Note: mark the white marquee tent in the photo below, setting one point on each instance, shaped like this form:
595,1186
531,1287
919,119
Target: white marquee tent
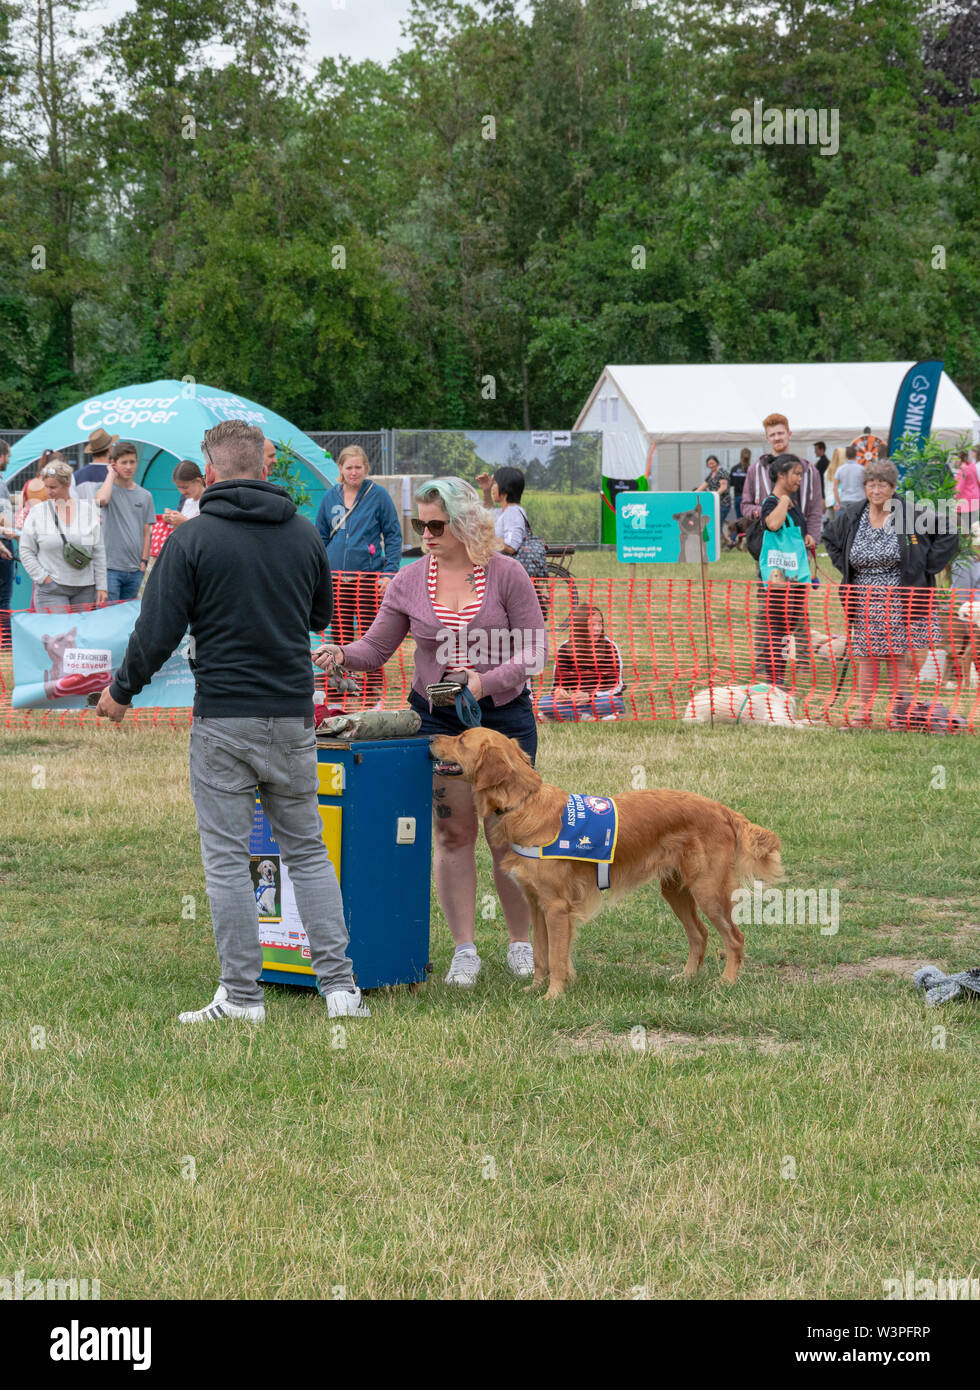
664,420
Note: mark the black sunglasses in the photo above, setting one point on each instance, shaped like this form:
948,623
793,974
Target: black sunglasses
436,527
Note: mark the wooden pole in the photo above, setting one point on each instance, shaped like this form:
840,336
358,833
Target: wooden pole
704,604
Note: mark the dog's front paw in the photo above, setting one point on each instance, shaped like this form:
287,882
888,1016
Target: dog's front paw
536,984
554,990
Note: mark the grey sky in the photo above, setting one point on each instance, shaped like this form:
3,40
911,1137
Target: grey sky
356,29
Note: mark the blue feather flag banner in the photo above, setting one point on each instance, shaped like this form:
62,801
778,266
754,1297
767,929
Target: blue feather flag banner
914,404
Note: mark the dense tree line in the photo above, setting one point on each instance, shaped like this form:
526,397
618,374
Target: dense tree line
467,235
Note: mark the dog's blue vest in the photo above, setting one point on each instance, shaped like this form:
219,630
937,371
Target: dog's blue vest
589,826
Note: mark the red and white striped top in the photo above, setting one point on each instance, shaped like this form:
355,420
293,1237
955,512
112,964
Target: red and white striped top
451,619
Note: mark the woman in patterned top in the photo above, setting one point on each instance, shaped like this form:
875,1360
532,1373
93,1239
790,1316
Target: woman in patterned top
888,570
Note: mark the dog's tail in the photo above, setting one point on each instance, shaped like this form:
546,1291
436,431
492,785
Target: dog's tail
757,852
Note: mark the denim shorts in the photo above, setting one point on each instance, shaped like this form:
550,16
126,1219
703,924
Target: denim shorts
513,720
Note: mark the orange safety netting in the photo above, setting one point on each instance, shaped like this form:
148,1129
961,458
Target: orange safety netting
663,649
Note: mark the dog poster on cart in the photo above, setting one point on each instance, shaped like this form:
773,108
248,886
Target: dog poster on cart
65,660
284,942
667,527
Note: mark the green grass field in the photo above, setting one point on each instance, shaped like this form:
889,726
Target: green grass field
811,1132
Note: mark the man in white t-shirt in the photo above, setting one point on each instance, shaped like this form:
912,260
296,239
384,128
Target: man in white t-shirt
504,490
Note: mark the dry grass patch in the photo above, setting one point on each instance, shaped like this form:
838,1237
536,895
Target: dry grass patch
854,970
459,1145
658,1041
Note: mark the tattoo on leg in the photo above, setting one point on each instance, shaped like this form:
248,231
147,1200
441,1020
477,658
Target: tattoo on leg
443,811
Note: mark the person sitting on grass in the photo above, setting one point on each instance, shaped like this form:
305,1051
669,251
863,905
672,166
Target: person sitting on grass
588,673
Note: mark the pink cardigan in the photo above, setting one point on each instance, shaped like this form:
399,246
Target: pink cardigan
506,641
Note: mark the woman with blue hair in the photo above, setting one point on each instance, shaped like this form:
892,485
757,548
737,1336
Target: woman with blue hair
475,618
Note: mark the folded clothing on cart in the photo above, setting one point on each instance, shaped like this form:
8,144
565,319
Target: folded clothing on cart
370,724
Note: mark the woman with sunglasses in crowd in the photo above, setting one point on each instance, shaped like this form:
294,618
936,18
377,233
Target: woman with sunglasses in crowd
474,615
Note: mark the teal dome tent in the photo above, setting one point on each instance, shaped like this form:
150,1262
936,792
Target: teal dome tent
167,421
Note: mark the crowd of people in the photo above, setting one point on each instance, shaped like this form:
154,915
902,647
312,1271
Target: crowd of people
84,539
888,555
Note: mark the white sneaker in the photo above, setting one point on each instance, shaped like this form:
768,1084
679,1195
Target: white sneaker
220,1007
464,969
520,959
346,1003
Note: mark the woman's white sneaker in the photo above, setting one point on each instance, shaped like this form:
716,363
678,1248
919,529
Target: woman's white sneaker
464,969
346,1003
221,1007
520,959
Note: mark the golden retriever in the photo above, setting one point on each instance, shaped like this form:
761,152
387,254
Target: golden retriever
699,850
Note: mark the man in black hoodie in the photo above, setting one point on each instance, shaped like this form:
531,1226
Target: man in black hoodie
250,579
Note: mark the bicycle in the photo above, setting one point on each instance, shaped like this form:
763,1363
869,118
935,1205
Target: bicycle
558,564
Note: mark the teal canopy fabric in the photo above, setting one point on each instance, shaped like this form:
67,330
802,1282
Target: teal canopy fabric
167,419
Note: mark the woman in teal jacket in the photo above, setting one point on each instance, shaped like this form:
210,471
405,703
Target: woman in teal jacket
363,535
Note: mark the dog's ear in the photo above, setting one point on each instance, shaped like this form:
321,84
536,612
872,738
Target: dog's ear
491,768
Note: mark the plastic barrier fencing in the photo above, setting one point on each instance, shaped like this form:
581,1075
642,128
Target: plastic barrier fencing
664,649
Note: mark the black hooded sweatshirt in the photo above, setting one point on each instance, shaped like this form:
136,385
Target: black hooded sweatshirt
251,580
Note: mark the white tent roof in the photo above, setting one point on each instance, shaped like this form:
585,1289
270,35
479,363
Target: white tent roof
717,404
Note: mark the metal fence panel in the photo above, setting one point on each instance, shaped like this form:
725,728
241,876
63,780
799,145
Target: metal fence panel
562,470
373,442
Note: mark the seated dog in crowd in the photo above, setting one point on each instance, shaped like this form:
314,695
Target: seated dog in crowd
572,854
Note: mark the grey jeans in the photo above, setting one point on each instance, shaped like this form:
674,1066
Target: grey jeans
63,598
229,759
